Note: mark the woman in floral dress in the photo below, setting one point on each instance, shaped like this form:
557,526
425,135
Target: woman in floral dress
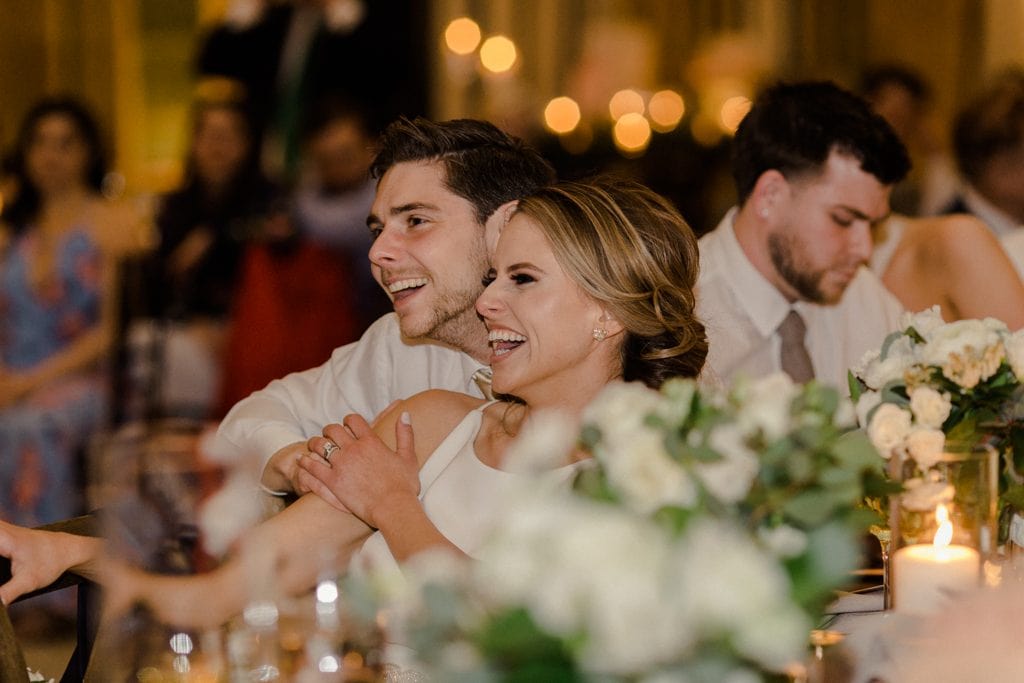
55,311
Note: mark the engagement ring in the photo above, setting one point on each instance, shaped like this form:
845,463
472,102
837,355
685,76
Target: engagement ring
329,448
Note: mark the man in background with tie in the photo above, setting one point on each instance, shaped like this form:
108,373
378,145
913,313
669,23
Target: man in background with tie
782,283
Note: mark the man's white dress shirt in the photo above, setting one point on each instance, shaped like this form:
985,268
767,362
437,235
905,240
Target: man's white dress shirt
742,311
363,377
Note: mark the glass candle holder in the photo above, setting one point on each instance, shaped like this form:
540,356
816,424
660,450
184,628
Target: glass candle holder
943,527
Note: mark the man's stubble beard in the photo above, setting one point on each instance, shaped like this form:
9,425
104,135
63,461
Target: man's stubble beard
806,284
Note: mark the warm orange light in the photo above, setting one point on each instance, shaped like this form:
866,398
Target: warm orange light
498,54
625,102
733,111
944,534
562,115
632,133
666,110
462,35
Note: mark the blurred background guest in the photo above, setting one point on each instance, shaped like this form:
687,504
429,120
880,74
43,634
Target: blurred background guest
223,203
988,138
903,98
288,54
335,193
58,244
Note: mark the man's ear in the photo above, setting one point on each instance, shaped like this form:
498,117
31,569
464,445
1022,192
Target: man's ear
497,221
769,193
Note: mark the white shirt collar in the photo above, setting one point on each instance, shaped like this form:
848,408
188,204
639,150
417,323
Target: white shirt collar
761,301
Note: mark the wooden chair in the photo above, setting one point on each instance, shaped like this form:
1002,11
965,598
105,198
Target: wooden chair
12,660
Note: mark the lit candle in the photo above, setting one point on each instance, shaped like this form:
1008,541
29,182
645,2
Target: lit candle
925,576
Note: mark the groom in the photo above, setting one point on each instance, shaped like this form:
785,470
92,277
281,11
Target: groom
444,191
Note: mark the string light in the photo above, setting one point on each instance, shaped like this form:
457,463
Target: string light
666,110
732,112
562,115
625,102
462,35
632,133
498,54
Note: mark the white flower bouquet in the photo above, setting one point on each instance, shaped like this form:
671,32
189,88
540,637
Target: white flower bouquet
701,545
935,386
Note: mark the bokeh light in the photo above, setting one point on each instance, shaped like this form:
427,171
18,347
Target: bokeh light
632,133
462,35
666,110
498,54
625,102
733,111
562,115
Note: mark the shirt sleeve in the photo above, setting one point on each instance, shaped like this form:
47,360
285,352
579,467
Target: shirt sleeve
356,379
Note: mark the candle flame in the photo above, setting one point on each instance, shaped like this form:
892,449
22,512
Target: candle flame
944,534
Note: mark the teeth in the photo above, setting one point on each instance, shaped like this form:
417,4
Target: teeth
406,284
505,335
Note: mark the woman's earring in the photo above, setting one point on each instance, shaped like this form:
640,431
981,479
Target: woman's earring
599,333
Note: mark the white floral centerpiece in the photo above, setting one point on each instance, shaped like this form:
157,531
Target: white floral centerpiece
935,385
701,544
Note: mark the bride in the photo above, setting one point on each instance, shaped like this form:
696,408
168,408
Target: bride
592,283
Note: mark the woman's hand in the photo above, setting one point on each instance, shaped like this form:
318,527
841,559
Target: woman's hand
362,474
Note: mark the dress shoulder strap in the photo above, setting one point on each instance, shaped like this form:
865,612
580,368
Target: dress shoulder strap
464,432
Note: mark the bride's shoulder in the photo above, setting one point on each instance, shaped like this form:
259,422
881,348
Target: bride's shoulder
433,413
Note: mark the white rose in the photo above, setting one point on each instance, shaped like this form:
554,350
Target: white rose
766,405
925,446
930,408
1015,353
642,471
924,494
925,322
867,401
729,478
784,541
899,356
956,337
621,408
890,424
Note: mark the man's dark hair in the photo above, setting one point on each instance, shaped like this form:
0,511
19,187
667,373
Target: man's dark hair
483,164
991,123
793,127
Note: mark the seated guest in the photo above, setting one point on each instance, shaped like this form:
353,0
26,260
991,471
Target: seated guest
203,227
591,283
988,142
953,261
58,243
782,284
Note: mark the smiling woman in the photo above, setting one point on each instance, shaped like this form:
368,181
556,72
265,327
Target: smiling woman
592,283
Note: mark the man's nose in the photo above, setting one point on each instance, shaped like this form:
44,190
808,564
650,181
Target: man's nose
385,247
861,243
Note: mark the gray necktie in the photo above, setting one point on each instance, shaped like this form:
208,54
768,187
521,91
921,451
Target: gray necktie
482,377
795,360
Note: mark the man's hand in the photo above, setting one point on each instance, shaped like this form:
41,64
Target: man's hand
38,558
282,472
363,475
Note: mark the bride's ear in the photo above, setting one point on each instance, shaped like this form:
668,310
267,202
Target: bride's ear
609,324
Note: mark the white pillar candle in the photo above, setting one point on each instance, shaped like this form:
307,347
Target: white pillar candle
926,576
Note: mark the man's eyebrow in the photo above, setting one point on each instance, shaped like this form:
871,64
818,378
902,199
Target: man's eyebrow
372,219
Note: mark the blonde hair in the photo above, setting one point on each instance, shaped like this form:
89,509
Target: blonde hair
629,249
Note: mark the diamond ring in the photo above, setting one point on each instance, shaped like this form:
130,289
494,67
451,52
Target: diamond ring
329,448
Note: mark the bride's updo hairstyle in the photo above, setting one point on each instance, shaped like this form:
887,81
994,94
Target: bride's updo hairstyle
629,249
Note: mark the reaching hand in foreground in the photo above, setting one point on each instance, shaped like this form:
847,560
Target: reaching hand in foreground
38,558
